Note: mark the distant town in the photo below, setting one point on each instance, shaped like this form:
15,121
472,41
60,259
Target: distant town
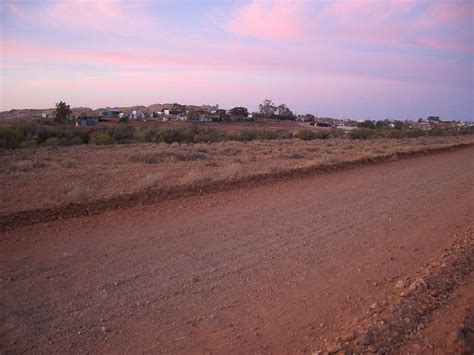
174,112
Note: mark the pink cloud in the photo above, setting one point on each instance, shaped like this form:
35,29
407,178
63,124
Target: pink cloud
269,19
97,15
446,13
392,23
110,17
243,58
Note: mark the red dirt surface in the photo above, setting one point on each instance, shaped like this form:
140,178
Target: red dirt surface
276,268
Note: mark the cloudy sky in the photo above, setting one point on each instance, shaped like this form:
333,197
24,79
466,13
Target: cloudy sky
358,59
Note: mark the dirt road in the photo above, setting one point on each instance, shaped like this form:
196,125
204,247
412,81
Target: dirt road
280,268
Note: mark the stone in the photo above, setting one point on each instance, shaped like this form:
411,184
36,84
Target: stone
349,336
334,349
195,279
372,349
400,284
368,338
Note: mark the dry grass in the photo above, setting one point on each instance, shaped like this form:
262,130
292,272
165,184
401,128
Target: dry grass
150,181
38,177
80,193
194,176
230,171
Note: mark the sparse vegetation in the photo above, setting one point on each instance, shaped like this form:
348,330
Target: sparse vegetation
80,193
64,174
31,134
151,180
361,133
101,138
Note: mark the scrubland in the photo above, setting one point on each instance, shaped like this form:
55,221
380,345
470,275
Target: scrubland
44,177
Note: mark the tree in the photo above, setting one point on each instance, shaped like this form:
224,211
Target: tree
398,124
367,124
267,108
284,113
382,124
191,114
239,111
433,119
62,112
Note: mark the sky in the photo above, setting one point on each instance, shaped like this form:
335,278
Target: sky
360,59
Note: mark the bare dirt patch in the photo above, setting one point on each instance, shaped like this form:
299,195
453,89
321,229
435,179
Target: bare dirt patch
274,268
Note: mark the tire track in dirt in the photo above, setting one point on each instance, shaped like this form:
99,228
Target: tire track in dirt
270,269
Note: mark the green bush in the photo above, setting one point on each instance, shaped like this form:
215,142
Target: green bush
122,133
414,133
306,134
361,133
393,133
10,138
150,134
101,138
44,133
52,141
29,129
175,135
207,136
138,137
29,144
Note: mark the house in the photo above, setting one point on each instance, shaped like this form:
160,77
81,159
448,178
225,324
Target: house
324,124
137,115
205,118
112,113
87,121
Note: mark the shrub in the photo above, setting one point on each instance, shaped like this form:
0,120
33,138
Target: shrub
151,180
306,135
101,138
52,141
10,138
250,134
393,133
175,135
122,133
194,176
77,140
29,129
29,144
190,156
44,133
207,136
414,133
230,171
150,134
361,133
79,193
150,158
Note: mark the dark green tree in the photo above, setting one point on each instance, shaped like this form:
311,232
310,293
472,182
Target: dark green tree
367,124
267,108
284,113
62,112
239,111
